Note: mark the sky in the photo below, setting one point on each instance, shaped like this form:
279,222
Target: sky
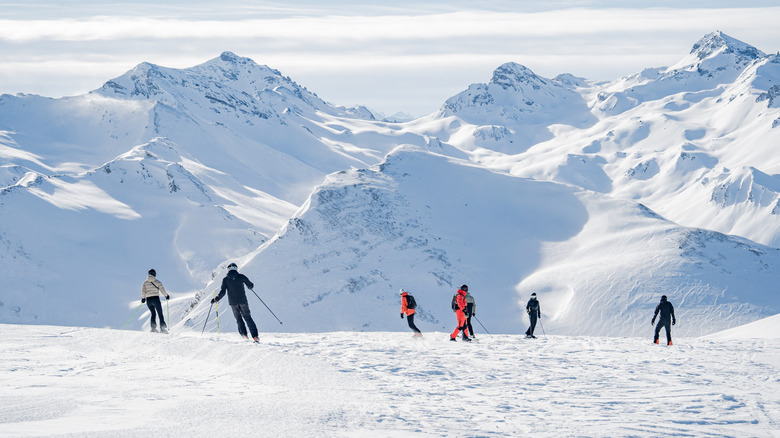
409,57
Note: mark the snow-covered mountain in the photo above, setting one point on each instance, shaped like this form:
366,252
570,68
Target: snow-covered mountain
600,197
695,141
165,168
427,222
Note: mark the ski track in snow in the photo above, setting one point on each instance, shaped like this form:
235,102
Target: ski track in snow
61,381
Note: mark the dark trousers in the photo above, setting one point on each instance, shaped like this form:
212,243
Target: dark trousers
241,313
410,320
155,308
668,326
469,308
533,317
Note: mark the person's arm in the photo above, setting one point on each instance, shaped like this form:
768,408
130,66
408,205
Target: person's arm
162,289
143,292
657,309
221,291
674,319
404,304
248,283
538,310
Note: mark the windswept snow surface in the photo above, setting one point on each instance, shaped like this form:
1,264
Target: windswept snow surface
87,382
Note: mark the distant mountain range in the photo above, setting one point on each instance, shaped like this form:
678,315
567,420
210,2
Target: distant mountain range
597,196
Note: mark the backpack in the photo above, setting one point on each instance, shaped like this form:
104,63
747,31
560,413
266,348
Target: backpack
455,305
411,304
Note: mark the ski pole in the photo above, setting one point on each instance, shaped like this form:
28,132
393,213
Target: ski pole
215,296
207,319
266,305
542,326
480,323
168,310
131,318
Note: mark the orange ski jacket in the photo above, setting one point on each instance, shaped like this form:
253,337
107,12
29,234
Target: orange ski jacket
404,303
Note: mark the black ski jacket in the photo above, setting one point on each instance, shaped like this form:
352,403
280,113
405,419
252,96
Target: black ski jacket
533,307
234,283
667,311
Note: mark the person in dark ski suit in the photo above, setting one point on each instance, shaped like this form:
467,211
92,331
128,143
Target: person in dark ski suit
150,294
233,284
405,310
471,310
460,313
666,309
534,313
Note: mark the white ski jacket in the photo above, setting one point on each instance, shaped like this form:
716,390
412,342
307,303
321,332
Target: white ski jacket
152,288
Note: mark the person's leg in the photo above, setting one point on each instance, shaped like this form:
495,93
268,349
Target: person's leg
153,311
668,327
533,325
657,331
468,324
461,321
410,320
462,324
247,315
239,320
158,306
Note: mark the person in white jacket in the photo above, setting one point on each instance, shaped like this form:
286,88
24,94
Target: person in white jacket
150,294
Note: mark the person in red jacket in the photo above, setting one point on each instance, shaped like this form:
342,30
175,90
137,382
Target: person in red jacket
408,306
460,308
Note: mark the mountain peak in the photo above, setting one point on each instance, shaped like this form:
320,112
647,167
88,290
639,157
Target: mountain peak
718,42
513,75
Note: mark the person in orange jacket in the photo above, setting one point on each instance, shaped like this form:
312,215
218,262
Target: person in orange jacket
460,307
408,306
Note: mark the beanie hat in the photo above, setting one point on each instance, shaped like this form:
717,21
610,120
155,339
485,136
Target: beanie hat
533,295
401,291
152,272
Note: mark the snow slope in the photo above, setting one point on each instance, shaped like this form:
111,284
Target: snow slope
428,223
173,169
69,381
695,142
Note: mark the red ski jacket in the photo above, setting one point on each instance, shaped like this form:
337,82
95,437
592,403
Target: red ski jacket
461,300
405,303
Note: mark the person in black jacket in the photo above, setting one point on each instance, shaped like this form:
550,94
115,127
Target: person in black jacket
234,283
534,313
667,317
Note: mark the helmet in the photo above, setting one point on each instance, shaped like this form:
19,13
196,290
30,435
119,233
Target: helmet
152,272
464,288
232,267
401,291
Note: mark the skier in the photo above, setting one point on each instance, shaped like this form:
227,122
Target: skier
471,310
234,283
408,306
534,313
150,294
667,316
460,307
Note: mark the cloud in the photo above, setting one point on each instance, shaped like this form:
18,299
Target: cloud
353,55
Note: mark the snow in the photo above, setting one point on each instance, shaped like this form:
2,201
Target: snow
89,382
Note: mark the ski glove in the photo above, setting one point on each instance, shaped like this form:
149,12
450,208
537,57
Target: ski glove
213,300
674,322
402,315
167,297
143,300
652,322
